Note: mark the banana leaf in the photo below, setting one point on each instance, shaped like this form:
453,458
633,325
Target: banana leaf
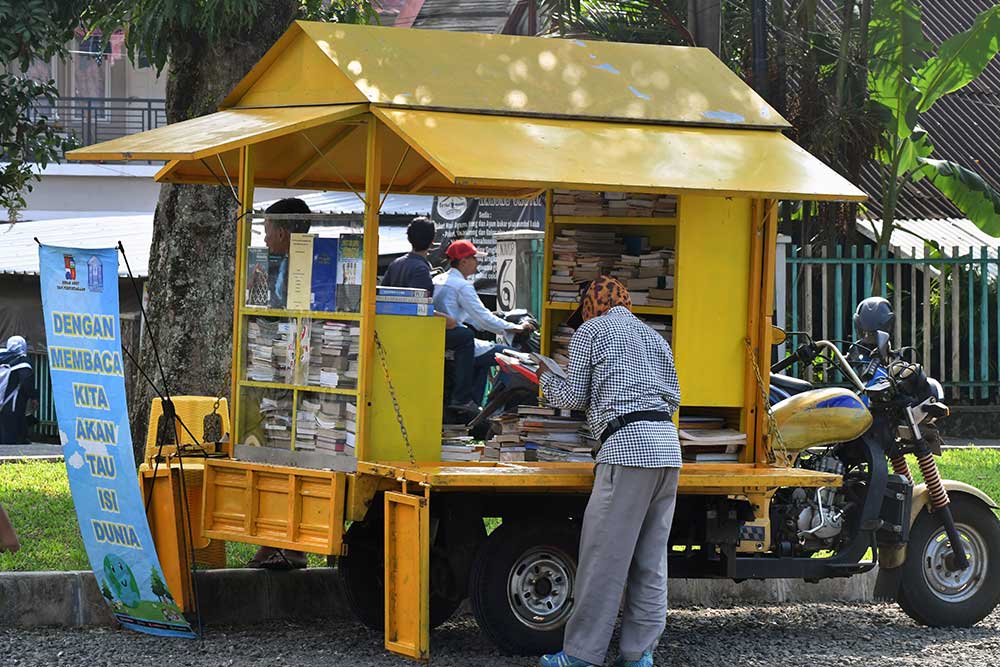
960,59
967,190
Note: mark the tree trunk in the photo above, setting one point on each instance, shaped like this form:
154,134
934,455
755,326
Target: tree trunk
191,261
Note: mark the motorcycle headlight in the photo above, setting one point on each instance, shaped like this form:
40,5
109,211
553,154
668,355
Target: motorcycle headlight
936,388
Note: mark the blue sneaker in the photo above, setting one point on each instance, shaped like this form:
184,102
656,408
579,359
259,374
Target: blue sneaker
560,659
645,661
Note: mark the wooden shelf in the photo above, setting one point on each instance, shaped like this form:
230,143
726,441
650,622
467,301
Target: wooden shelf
313,314
282,385
638,310
616,220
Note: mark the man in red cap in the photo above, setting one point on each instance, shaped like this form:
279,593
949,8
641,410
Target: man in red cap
455,295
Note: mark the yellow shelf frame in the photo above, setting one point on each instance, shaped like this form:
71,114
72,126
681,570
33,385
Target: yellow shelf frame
298,387
303,314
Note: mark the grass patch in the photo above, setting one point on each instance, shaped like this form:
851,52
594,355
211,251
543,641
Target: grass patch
37,498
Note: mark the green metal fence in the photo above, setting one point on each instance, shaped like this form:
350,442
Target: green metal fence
46,426
945,306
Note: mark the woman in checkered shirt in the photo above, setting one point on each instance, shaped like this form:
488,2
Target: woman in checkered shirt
622,373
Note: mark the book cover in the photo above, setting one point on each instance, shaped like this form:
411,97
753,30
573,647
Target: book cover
403,299
350,262
300,253
392,308
324,275
258,289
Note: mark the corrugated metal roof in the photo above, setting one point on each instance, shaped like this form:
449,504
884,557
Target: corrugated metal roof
19,252
955,236
464,15
348,202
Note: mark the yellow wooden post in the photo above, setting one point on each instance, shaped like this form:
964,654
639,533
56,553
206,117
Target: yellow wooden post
245,194
373,172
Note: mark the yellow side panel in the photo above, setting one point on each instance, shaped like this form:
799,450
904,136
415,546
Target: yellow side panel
713,261
595,155
301,75
414,348
407,575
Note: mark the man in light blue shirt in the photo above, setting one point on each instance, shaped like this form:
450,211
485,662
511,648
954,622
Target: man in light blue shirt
455,295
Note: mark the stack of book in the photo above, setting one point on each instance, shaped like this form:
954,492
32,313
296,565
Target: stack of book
331,425
506,444
581,255
270,350
648,277
577,202
403,301
555,434
276,414
617,204
305,425
705,439
458,445
561,337
662,327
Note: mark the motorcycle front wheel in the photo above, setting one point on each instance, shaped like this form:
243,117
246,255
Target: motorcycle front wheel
935,593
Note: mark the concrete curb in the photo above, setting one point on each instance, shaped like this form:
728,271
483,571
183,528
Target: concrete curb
241,596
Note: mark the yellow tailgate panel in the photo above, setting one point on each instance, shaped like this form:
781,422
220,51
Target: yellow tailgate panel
713,262
407,575
292,508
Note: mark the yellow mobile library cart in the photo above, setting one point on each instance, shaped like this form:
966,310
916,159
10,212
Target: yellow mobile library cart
660,144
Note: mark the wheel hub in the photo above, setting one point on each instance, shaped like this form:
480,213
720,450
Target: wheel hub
540,588
945,580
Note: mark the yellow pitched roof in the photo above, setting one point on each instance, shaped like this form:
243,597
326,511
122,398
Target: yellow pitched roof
331,63
599,155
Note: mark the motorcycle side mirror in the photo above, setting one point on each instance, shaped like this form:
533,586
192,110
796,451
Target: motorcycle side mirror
778,336
882,345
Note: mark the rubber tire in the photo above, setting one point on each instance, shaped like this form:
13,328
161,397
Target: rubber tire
488,585
362,573
915,596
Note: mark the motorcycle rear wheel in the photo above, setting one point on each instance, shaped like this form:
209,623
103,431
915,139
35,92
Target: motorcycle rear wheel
932,592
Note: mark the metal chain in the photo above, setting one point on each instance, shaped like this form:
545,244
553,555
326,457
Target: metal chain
774,435
392,394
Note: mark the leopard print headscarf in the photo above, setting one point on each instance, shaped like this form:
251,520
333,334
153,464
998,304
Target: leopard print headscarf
604,294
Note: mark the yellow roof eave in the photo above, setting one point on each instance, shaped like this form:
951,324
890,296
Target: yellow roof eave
475,150
215,133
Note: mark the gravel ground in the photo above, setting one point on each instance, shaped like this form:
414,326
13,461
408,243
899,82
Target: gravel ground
813,634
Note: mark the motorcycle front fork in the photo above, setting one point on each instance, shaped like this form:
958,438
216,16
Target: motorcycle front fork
940,503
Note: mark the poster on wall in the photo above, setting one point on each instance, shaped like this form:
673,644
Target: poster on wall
83,328
479,220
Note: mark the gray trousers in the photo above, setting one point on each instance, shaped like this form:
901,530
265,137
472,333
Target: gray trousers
623,549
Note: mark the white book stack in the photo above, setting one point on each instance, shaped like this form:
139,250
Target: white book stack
305,425
616,204
276,422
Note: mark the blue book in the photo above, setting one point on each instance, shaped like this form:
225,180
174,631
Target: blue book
324,275
381,291
394,308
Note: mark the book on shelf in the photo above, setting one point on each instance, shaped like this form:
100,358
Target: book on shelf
403,299
710,457
394,308
324,275
300,259
258,286
350,264
392,293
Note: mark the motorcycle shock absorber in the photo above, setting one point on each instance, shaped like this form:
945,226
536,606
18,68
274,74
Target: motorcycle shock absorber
901,467
940,506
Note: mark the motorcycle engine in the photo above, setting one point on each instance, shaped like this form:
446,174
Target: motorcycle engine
808,520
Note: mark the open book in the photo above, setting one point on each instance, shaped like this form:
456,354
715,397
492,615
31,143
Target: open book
549,364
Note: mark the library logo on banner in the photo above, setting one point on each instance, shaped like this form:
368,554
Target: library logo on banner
69,262
95,274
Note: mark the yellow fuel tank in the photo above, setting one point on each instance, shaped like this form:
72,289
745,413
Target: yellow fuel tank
821,417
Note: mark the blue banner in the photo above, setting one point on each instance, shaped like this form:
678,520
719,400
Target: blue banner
80,303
